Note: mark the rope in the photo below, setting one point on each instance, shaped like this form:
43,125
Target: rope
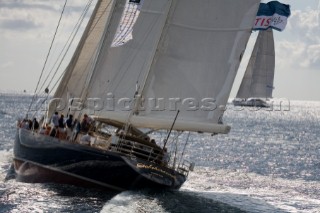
82,18
184,148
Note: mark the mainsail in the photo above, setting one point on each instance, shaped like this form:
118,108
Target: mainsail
180,55
258,78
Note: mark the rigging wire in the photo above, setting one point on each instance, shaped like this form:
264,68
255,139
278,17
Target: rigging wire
85,11
91,30
77,26
176,149
318,13
184,148
132,15
70,43
74,31
45,63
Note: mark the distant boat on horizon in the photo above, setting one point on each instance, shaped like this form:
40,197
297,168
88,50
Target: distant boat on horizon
257,84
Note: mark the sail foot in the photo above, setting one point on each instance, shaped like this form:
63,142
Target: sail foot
164,123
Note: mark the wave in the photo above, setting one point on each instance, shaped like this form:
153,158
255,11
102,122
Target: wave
165,201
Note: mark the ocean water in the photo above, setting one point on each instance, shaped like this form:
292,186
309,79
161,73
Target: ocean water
269,162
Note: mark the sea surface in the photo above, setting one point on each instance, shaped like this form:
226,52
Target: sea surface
269,162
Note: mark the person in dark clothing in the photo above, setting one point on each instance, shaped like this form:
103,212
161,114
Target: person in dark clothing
69,125
69,122
61,130
35,124
61,121
85,123
54,132
76,129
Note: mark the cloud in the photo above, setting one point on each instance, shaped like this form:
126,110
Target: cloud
30,19
313,52
49,5
18,16
27,28
18,24
302,49
305,24
19,4
41,11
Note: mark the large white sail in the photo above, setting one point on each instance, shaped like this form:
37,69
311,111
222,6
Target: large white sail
188,52
258,78
182,54
198,58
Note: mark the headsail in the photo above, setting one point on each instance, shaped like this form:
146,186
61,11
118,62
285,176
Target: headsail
259,75
82,63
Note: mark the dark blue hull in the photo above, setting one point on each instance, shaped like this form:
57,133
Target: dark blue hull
39,158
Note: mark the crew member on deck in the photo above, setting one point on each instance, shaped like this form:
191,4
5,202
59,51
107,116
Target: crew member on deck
35,124
85,123
69,126
55,119
86,139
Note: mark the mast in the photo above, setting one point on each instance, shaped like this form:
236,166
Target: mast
143,86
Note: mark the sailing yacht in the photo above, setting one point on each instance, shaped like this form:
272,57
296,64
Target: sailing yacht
257,84
141,67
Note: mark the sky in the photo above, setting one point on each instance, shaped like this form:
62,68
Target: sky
27,28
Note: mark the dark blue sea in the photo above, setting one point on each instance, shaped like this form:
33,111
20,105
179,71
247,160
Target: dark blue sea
269,162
